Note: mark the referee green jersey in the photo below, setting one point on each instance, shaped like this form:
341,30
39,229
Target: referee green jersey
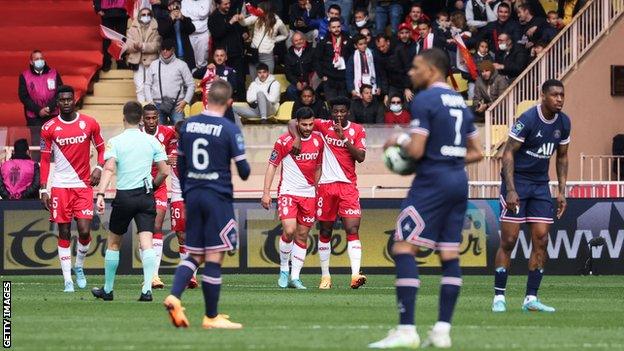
134,152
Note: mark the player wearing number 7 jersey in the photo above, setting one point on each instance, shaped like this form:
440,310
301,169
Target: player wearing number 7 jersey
296,199
442,140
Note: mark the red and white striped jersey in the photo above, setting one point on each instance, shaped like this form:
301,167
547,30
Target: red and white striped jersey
338,164
176,189
167,137
297,175
70,142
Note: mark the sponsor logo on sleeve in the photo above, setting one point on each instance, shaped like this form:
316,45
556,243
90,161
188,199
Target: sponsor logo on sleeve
274,155
517,128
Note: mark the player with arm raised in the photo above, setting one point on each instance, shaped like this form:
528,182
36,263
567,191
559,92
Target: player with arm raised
525,194
208,142
296,199
166,136
177,210
338,195
69,137
442,140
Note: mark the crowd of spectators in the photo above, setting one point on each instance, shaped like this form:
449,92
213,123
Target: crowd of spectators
361,49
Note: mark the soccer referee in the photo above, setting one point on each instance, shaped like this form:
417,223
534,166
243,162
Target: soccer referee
130,155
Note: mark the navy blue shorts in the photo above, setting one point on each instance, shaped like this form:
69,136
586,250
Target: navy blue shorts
536,204
210,223
433,213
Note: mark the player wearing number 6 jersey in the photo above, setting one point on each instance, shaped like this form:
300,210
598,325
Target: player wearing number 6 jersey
338,195
442,140
177,209
296,198
207,144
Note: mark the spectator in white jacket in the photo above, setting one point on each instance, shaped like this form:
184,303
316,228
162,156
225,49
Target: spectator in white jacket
263,96
480,12
198,11
267,30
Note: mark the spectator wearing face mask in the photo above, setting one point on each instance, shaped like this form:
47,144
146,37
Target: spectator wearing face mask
19,176
308,99
143,45
397,114
361,21
511,58
37,92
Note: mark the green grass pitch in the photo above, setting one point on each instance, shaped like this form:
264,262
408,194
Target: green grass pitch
590,315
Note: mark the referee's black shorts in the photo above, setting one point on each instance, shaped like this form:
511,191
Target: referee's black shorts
133,204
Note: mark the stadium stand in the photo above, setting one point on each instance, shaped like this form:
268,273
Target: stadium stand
73,48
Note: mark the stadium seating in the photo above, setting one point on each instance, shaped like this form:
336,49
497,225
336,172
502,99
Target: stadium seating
66,31
284,112
523,106
196,108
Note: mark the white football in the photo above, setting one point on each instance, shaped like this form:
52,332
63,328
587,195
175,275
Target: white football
398,162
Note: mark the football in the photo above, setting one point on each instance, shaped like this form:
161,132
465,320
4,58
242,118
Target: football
398,162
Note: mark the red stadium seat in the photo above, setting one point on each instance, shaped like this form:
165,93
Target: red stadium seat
67,31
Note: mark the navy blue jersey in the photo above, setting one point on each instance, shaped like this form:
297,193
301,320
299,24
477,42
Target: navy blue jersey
207,145
441,114
540,138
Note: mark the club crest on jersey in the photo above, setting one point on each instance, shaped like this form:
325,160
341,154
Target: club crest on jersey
161,137
517,127
351,132
557,134
316,143
274,155
82,124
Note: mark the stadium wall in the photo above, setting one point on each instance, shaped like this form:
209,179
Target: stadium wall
29,240
596,115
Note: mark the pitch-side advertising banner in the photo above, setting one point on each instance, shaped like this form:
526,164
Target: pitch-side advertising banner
29,244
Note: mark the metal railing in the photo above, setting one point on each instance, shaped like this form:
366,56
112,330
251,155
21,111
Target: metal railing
602,167
558,58
491,190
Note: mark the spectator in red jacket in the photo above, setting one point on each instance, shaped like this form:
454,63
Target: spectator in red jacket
37,92
397,113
